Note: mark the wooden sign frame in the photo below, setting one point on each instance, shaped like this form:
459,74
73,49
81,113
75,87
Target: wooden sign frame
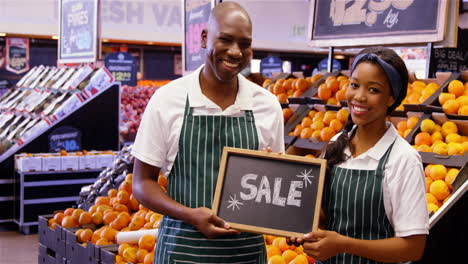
227,151
367,39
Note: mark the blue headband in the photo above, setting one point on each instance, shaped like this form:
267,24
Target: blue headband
392,74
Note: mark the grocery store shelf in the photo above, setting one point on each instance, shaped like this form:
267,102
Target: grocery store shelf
62,182
57,172
6,198
447,205
52,200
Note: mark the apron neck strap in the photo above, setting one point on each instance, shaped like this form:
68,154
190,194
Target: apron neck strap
384,159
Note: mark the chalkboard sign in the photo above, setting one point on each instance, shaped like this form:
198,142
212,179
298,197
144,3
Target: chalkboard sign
196,15
450,59
257,191
122,65
269,65
351,23
78,29
65,138
323,65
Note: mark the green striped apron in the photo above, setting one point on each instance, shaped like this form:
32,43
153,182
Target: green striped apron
192,182
353,200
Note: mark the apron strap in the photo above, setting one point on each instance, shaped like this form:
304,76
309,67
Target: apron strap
189,112
384,159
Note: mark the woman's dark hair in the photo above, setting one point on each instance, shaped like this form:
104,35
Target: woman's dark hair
335,150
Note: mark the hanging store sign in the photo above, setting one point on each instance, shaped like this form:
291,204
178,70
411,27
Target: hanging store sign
271,64
79,38
370,22
17,55
123,67
196,15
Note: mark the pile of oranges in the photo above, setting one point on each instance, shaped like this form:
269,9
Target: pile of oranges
439,187
333,90
418,92
321,125
292,87
117,212
279,252
456,100
404,127
442,140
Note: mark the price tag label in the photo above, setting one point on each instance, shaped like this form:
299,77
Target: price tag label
65,138
122,66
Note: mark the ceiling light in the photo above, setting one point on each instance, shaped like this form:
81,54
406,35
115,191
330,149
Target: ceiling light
105,40
2,34
339,57
55,37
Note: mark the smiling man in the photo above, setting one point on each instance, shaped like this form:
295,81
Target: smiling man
183,131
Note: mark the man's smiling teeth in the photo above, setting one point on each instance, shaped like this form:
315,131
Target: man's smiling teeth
233,65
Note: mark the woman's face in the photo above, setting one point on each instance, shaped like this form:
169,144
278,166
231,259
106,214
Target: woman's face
369,95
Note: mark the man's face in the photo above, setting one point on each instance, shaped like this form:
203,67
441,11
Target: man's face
228,45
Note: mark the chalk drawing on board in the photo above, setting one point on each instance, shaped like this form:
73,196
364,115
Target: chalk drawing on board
234,203
305,177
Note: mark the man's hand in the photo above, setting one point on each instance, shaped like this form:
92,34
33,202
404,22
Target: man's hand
210,225
323,244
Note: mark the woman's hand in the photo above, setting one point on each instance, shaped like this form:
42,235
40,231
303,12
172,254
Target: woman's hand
323,244
210,225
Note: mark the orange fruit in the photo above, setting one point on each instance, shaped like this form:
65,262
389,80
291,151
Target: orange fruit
423,138
102,242
336,125
86,235
436,136
406,133
282,98
401,126
456,87
76,213
300,259
455,149
149,258
269,239
126,185
129,254
432,207
315,77
451,175
427,125
438,172
328,117
423,148
463,110
444,97
287,113
289,255
137,223
342,115
306,121
133,203
317,125
276,260
326,134
324,92
141,254
112,193
109,217
312,113
273,250
122,247
306,133
333,85
102,200
147,242
58,217
97,218
411,122
85,218
297,131
302,85
69,221
439,189
123,197
449,127
283,244
340,95
120,208
451,106
440,148
266,82
430,198
332,101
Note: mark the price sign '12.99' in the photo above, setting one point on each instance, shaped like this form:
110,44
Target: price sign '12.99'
197,13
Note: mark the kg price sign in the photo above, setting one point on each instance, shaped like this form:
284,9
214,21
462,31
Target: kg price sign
123,67
376,22
256,190
79,30
65,138
196,15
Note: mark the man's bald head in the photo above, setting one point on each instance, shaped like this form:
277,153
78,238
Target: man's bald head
225,10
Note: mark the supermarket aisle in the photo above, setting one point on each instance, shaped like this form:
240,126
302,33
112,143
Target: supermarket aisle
16,248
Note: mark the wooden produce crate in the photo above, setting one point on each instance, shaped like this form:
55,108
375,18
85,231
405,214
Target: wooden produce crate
442,79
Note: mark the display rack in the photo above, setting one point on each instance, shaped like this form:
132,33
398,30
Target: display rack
38,193
98,120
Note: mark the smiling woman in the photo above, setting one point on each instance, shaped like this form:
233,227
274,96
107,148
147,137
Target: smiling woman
374,193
